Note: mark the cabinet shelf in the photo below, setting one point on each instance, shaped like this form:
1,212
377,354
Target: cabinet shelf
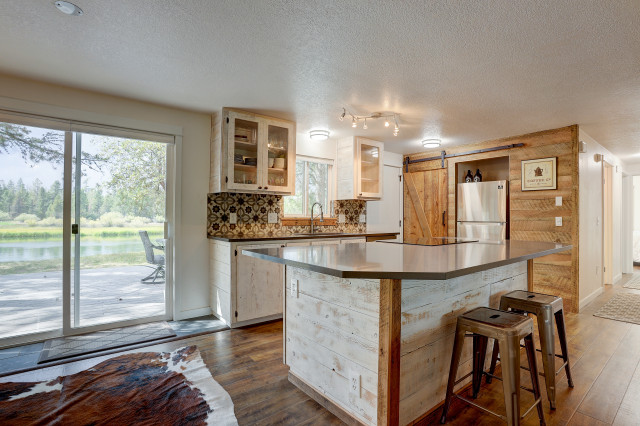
273,169
244,167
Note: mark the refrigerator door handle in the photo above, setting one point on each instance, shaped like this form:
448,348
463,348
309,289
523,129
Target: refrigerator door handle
443,216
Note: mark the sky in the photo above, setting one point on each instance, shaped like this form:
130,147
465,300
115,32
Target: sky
14,167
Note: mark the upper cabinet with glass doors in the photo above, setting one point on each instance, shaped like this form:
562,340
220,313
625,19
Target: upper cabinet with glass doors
252,153
359,166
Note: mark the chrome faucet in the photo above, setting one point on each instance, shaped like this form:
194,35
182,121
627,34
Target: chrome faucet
321,215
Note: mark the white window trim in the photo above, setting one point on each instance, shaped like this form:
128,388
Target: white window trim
330,189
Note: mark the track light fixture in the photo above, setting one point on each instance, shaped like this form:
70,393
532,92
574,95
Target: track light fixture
387,117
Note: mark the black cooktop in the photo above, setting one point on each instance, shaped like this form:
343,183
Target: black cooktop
433,241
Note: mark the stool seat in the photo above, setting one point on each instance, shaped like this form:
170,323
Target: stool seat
494,322
508,329
526,300
548,310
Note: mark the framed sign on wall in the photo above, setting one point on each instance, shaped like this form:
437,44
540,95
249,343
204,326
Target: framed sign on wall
539,174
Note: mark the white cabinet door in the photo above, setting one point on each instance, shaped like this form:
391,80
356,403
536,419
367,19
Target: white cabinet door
259,285
354,240
386,215
326,242
298,244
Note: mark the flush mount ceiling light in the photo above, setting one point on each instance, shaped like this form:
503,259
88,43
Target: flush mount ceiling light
431,143
319,135
386,116
68,8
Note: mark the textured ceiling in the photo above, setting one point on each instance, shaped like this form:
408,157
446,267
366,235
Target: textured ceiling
462,71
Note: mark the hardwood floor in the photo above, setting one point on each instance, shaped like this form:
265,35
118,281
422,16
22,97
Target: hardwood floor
605,357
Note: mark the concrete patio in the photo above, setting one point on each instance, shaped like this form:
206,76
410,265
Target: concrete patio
31,303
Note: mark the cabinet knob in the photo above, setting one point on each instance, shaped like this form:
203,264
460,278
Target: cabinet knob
266,187
259,187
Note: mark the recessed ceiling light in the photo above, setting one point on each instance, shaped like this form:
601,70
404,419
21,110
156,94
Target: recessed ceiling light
431,143
319,135
68,8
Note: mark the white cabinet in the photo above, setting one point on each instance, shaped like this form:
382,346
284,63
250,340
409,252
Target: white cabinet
246,290
359,166
258,285
252,153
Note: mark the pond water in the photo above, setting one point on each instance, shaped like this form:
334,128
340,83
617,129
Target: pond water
22,251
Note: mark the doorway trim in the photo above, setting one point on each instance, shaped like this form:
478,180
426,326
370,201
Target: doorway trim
607,223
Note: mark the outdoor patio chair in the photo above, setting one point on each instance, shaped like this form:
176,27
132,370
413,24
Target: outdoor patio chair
156,260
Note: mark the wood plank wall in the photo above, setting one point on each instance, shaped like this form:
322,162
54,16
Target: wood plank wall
532,213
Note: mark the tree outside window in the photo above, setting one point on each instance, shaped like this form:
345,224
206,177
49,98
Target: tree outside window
312,185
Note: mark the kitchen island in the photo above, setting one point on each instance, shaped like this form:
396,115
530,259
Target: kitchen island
368,327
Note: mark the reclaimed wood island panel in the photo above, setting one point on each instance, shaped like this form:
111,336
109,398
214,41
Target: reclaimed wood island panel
368,328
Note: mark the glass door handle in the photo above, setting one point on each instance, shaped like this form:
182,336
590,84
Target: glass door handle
74,228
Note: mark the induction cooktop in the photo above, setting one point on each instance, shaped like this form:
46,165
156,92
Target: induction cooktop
433,241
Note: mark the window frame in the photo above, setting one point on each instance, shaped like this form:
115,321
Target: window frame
305,194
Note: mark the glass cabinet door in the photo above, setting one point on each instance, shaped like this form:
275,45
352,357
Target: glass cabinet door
370,154
244,151
279,162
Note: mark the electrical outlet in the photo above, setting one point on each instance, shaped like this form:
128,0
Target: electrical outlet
363,218
233,218
354,383
294,287
559,201
272,217
341,218
559,221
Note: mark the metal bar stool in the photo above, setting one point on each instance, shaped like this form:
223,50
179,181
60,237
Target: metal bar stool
546,308
507,328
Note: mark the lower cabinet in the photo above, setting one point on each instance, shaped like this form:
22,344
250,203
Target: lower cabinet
246,290
258,286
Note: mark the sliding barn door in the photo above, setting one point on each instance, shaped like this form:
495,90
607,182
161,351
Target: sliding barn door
425,204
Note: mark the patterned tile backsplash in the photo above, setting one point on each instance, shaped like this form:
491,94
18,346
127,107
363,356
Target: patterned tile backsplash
252,211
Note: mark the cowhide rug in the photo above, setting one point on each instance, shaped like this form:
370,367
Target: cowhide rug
142,388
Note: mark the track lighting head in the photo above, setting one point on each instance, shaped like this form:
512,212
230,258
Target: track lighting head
344,112
365,127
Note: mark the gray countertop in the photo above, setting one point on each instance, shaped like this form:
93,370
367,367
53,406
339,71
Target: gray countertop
301,236
402,261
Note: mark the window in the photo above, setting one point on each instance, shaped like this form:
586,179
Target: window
313,184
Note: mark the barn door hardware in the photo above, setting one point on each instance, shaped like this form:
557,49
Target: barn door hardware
444,155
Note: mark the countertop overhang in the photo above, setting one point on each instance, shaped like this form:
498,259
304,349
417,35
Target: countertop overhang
379,260
319,235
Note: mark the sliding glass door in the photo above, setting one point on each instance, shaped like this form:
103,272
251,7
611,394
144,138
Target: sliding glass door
119,207
31,210
84,231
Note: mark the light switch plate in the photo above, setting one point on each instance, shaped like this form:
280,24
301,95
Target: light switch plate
294,287
272,217
363,218
341,218
558,201
233,218
559,221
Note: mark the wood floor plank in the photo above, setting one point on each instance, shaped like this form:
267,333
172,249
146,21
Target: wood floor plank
606,395
582,420
629,411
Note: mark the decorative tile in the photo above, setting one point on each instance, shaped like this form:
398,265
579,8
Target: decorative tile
252,211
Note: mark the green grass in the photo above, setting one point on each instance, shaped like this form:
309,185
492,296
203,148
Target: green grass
87,262
46,233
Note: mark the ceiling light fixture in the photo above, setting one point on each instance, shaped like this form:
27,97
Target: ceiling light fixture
319,135
431,143
386,116
68,8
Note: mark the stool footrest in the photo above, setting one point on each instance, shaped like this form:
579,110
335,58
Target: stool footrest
480,407
500,378
462,378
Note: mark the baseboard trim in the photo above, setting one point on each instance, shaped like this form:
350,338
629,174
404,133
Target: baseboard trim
256,321
584,302
321,399
193,313
617,278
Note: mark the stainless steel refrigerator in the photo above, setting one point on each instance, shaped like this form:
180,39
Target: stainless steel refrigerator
483,210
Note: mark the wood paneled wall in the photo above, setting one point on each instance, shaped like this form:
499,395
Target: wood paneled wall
532,213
